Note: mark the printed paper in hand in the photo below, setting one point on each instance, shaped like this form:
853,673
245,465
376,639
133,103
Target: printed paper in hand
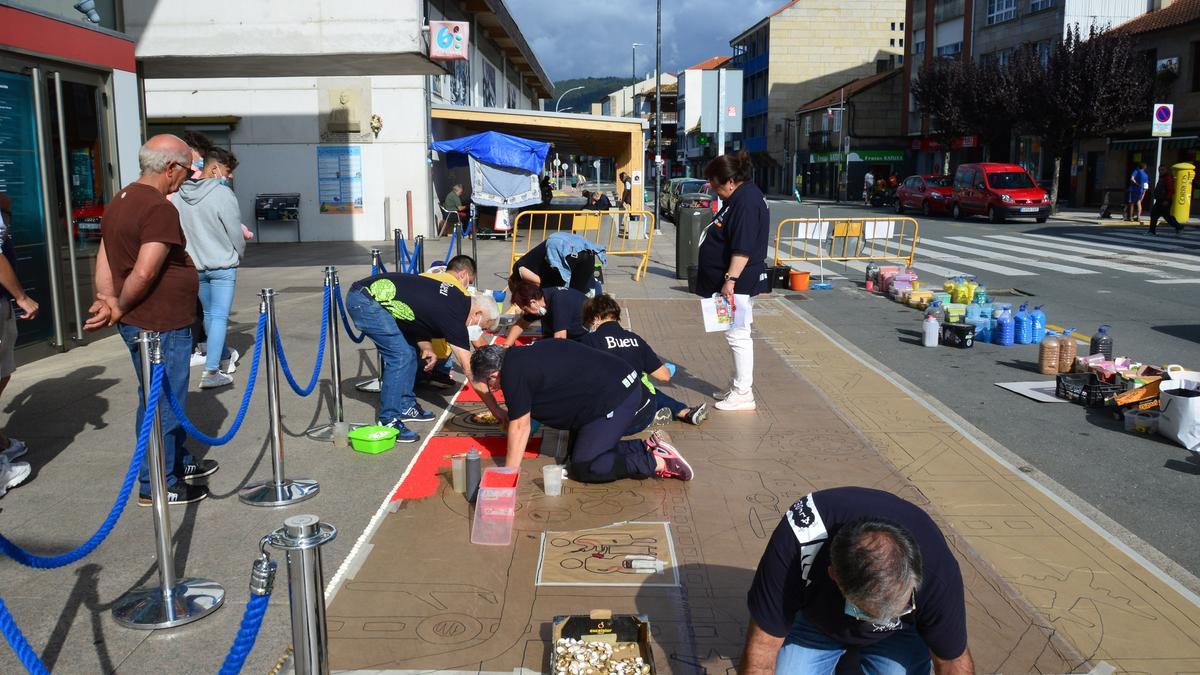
719,315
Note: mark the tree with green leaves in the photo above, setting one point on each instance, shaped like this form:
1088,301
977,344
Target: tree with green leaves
938,90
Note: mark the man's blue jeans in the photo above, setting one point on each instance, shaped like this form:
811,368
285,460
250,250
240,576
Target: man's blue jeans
176,346
809,651
399,357
216,294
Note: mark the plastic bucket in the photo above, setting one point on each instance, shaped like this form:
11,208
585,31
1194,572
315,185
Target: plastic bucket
799,280
374,439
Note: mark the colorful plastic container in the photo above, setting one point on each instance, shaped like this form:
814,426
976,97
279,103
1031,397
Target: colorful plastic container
373,439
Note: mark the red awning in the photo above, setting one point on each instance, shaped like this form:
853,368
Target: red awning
53,38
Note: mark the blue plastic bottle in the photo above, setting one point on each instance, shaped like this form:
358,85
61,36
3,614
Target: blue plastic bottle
983,329
1022,327
1039,324
1005,328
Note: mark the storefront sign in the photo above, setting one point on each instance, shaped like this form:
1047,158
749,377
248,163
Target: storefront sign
448,40
339,179
858,156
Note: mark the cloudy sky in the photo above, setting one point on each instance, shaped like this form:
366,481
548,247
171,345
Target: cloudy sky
578,38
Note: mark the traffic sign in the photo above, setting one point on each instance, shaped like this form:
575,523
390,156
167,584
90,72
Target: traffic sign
1164,113
557,163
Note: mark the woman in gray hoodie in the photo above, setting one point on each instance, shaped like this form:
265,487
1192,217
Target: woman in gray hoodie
212,223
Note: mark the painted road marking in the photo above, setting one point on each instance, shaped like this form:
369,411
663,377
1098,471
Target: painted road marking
1173,281
1107,264
1129,253
1078,336
998,269
993,255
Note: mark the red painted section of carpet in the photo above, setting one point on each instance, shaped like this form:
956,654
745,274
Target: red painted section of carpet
424,478
468,395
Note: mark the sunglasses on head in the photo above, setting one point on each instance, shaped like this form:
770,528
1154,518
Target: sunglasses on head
852,610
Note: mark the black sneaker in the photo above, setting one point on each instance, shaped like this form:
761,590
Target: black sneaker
179,493
440,380
404,435
202,468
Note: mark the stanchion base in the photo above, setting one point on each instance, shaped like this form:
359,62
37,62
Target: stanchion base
324,432
369,386
145,608
270,493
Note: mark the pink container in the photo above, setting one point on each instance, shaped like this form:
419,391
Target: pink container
495,507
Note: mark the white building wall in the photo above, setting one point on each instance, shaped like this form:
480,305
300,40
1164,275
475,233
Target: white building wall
1100,13
128,117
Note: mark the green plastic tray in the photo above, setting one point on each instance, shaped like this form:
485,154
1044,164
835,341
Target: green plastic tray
374,439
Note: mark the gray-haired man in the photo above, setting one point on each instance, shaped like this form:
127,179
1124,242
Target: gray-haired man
857,567
146,281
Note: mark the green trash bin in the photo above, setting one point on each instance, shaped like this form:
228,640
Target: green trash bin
689,224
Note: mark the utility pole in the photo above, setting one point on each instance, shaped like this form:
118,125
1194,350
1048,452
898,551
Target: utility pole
720,112
658,113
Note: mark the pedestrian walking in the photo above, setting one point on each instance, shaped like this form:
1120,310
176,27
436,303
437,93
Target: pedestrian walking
1139,183
733,249
868,186
145,280
198,146
211,221
626,202
12,473
1164,188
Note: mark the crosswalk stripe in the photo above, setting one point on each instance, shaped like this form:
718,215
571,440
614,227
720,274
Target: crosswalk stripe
1173,281
1130,254
999,241
993,255
1108,244
1141,240
950,257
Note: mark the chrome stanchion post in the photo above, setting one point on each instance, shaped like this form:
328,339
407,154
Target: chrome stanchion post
173,602
301,538
458,235
376,260
278,491
327,432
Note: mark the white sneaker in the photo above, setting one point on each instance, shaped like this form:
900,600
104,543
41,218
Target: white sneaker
198,359
229,365
722,395
737,401
214,379
12,474
15,449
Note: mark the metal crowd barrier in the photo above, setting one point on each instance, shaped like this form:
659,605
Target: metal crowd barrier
817,240
621,233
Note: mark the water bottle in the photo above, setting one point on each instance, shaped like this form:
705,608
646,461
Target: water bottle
974,311
983,329
1039,324
929,331
1022,327
1004,333
1102,342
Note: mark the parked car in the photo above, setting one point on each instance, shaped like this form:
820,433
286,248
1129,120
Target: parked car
929,194
86,221
701,199
677,187
998,191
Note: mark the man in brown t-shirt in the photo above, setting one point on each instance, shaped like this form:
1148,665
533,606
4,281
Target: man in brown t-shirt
146,281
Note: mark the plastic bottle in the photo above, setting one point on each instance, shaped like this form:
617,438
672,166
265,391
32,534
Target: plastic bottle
473,474
1102,342
983,329
1003,335
974,311
1048,355
962,291
929,330
1039,324
1066,351
1022,327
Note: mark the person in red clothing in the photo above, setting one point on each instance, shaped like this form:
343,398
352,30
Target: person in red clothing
1163,190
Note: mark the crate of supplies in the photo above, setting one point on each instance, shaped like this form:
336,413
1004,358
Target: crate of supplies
625,638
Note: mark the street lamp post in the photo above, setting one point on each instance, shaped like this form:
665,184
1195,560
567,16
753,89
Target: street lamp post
560,98
633,85
658,159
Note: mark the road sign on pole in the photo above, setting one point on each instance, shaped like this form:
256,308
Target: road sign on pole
1164,113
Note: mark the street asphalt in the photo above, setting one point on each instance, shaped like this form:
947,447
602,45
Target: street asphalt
1085,276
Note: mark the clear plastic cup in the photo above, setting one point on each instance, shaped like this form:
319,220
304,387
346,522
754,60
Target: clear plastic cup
552,477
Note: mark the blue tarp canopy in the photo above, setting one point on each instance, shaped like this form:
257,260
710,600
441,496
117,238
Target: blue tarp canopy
500,149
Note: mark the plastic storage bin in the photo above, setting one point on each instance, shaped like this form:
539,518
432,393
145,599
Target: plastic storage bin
1141,421
495,507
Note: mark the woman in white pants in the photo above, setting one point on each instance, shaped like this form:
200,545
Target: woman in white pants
733,251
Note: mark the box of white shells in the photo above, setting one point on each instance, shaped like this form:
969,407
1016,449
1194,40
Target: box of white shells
601,643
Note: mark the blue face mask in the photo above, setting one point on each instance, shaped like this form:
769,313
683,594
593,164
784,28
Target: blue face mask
224,181
197,165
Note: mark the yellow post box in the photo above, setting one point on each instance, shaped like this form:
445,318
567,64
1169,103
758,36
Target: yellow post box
1181,201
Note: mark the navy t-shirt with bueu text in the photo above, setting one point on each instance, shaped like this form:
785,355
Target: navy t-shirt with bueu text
563,383
793,574
630,346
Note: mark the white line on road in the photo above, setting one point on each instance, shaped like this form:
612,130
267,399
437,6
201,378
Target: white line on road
950,257
1054,255
1175,250
992,255
1173,281
1128,253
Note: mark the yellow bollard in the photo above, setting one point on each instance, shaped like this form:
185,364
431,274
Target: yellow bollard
1181,201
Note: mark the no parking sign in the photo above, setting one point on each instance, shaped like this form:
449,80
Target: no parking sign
1161,123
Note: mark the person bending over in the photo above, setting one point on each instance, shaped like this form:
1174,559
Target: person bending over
560,311
856,566
591,394
564,259
602,315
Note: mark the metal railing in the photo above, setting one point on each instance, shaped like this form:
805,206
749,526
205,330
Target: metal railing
833,239
621,232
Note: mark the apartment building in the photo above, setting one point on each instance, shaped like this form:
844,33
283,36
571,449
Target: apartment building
700,90
797,53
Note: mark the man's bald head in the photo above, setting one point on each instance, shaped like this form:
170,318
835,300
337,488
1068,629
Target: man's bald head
160,153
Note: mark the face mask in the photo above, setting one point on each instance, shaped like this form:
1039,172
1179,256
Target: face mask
197,165
541,311
223,180
474,332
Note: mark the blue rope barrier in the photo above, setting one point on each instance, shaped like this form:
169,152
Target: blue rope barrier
247,633
19,644
316,375
345,319
403,259
381,269
190,428
450,251
28,559
416,258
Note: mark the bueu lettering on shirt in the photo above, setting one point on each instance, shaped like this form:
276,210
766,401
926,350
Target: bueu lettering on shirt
620,343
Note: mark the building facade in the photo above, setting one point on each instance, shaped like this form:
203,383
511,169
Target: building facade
70,129
798,52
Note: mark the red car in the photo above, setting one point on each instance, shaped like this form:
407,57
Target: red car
86,221
998,191
928,194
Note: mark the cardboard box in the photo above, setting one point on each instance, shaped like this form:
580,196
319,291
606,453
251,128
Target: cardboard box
628,633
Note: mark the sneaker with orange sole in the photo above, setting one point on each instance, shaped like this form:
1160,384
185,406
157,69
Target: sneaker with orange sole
659,444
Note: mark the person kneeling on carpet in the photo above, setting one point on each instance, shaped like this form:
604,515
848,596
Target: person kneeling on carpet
591,394
402,313
560,311
602,315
